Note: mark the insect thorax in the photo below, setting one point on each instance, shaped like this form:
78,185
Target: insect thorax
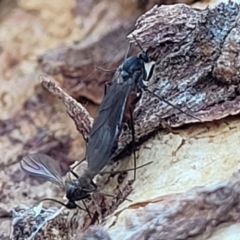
74,191
131,66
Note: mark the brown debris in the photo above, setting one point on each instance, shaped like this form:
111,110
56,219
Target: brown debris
104,46
75,110
190,74
178,216
181,216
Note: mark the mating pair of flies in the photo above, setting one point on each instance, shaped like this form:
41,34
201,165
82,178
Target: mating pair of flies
117,107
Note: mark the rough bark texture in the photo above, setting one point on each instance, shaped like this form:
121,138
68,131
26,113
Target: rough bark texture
195,70
179,216
78,64
75,110
189,47
182,216
190,72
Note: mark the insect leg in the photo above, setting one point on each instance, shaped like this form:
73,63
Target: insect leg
110,195
74,174
127,170
133,144
87,210
78,163
172,105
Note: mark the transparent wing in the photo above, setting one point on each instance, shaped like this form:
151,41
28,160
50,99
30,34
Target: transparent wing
107,126
43,166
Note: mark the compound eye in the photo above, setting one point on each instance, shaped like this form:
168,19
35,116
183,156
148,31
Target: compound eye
71,205
144,57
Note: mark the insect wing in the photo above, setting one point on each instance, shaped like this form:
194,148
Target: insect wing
107,126
43,166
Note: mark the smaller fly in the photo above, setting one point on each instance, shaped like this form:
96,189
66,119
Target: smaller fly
44,166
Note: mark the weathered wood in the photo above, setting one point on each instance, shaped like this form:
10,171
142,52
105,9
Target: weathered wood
192,75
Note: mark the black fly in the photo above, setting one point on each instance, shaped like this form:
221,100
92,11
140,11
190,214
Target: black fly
116,108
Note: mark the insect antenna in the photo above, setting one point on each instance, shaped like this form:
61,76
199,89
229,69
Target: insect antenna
138,43
105,70
67,206
102,63
126,54
59,202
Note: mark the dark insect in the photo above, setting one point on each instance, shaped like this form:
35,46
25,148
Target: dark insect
116,108
44,166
